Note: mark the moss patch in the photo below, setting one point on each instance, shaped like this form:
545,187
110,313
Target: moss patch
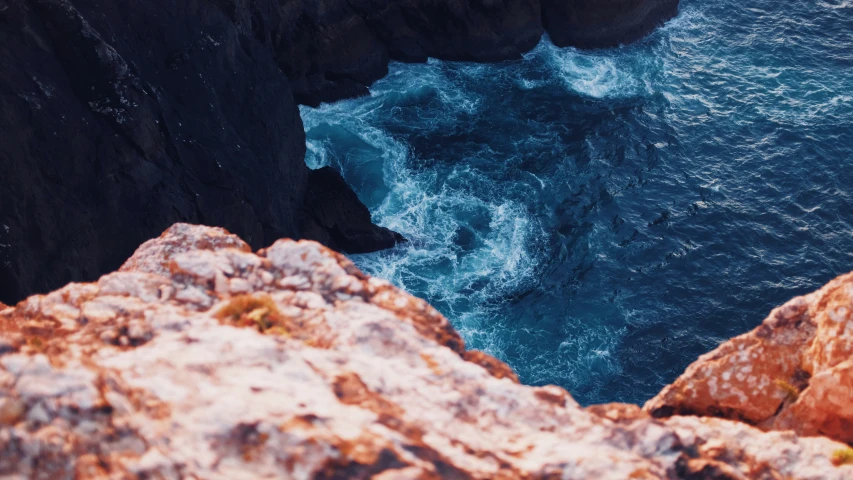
259,311
842,456
792,393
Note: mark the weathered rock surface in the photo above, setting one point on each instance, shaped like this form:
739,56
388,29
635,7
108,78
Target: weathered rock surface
201,359
794,372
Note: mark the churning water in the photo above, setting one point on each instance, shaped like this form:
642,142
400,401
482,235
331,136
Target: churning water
599,219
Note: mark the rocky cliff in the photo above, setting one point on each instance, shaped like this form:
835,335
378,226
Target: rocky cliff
201,359
120,118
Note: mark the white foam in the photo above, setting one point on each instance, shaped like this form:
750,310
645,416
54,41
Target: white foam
430,207
594,77
526,84
602,73
836,5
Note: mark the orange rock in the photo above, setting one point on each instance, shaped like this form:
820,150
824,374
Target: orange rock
11,411
154,255
492,365
792,372
619,412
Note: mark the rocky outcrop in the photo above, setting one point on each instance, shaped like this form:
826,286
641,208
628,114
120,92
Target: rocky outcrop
201,359
793,372
604,23
120,118
336,218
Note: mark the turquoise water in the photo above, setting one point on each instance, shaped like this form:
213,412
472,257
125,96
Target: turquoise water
599,219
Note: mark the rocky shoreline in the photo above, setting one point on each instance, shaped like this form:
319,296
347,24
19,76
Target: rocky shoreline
202,359
121,118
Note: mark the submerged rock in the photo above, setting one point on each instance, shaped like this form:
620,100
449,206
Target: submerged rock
793,372
202,359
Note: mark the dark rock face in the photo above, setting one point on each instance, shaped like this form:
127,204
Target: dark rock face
119,118
350,42
603,23
335,217
332,49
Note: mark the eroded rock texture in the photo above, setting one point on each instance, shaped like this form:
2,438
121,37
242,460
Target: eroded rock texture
795,371
201,359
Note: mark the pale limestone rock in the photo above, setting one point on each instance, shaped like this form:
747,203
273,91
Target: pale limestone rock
199,359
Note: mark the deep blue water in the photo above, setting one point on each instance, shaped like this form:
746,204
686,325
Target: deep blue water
599,219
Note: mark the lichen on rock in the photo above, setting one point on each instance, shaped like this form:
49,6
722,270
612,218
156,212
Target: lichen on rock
201,359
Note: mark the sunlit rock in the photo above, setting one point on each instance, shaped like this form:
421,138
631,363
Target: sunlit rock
202,359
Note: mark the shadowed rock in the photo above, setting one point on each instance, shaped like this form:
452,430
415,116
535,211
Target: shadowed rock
120,118
604,23
352,42
336,218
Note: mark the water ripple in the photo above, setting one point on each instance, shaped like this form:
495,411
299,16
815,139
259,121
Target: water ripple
599,219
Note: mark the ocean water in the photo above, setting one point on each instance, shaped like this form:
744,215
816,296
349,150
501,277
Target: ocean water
598,219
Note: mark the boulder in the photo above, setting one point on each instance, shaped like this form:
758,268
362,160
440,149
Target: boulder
335,217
